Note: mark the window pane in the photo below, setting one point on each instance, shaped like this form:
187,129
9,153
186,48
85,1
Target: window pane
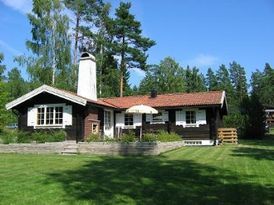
107,119
40,116
128,119
157,117
49,115
190,117
58,115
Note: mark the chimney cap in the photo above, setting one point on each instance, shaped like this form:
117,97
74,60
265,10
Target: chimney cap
86,55
153,93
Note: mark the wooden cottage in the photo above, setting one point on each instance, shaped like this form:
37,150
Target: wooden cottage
195,116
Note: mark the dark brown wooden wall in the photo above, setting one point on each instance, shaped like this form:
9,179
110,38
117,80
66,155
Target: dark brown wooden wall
74,132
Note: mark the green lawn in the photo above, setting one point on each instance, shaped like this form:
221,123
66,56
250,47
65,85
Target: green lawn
242,174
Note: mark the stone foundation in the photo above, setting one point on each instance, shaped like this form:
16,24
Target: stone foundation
100,148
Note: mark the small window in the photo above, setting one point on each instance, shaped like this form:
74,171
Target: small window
95,128
128,119
107,119
190,117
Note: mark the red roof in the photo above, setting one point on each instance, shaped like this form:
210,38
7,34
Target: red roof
169,100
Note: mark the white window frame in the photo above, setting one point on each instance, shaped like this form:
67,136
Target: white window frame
128,116
107,119
54,125
151,118
154,119
195,115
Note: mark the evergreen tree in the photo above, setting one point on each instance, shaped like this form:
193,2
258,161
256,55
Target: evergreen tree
85,17
167,77
262,84
252,108
256,82
211,80
224,83
129,44
195,81
238,79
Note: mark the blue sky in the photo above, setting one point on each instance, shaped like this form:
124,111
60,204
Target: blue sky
202,33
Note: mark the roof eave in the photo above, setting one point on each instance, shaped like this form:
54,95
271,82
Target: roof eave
50,90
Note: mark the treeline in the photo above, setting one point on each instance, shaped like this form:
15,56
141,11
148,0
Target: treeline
61,30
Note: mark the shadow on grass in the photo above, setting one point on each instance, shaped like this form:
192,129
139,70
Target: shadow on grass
157,180
268,140
256,153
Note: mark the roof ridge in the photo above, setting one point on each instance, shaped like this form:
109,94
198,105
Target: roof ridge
175,93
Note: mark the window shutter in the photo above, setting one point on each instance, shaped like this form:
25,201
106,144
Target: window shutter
31,116
67,115
148,117
120,120
201,117
165,116
137,120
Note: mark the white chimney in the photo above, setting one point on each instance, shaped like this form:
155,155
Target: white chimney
87,77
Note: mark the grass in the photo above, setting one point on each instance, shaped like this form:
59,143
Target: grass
235,174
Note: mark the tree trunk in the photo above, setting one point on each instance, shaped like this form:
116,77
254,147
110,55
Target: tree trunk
121,80
76,48
122,69
76,39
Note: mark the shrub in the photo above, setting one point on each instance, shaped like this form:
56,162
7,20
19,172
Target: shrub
56,136
107,139
149,137
8,136
42,136
237,121
164,136
38,136
94,138
129,137
23,137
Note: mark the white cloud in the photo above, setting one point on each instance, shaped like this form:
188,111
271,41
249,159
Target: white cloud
23,6
9,48
203,60
138,72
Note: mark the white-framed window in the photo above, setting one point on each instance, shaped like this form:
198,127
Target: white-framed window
157,118
107,119
49,115
190,117
128,119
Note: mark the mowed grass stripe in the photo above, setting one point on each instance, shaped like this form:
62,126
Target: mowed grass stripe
237,174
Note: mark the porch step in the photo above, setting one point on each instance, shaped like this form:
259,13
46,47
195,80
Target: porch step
70,149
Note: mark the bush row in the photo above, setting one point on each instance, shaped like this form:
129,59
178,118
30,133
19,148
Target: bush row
161,136
14,136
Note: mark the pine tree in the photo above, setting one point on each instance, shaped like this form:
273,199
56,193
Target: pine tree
262,84
224,83
238,79
195,81
129,44
211,80
167,77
